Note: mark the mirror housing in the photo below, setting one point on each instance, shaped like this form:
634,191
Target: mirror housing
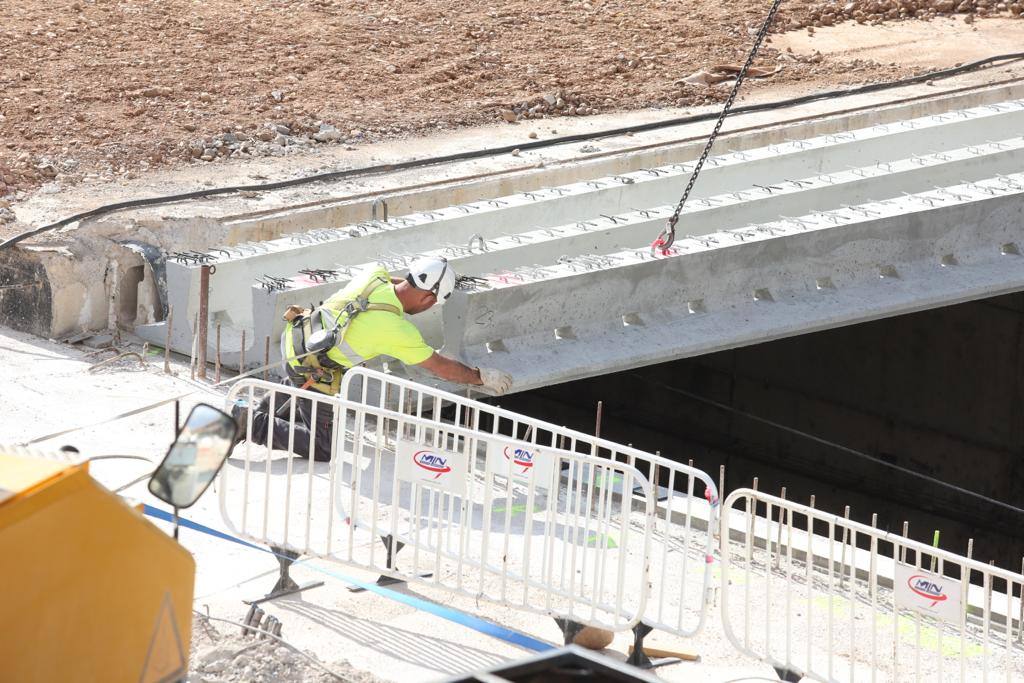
195,457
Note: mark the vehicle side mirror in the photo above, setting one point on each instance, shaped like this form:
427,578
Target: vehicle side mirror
195,457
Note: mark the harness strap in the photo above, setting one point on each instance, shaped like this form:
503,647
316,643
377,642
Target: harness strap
314,368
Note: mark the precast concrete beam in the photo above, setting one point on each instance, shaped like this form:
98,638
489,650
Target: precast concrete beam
494,258
670,145
579,201
747,286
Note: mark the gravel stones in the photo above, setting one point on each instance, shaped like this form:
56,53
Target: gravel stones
234,658
558,103
878,11
327,133
272,139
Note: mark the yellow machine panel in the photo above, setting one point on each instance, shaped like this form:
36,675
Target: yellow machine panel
91,590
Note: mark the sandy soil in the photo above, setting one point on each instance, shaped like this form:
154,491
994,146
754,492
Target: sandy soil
98,89
909,43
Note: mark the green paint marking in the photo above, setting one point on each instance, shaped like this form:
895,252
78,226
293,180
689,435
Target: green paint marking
594,540
516,509
907,628
600,481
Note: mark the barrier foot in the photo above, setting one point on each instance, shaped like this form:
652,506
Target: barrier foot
569,629
285,584
787,674
638,657
392,546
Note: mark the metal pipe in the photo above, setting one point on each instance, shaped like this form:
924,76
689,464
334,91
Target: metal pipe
204,315
597,424
241,355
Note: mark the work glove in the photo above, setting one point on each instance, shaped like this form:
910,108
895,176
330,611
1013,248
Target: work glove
498,381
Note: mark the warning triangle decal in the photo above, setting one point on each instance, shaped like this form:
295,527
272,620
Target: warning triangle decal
165,660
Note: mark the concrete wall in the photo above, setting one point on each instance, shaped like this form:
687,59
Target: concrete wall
939,392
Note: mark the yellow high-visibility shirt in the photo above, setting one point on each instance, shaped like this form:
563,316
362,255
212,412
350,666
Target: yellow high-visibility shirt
376,333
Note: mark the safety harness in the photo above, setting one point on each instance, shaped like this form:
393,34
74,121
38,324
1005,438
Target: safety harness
314,332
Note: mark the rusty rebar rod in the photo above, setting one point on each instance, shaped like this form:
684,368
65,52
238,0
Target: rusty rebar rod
167,340
195,336
204,316
118,357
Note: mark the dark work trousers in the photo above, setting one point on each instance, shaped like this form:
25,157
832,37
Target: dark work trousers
280,415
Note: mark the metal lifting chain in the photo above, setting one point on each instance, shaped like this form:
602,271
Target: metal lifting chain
668,236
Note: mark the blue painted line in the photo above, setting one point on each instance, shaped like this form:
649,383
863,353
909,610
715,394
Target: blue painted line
476,623
189,524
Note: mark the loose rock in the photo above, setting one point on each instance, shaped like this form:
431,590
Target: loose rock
327,133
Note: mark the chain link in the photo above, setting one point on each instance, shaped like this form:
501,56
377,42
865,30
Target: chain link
668,236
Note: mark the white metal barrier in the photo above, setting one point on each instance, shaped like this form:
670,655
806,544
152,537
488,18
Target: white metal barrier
834,600
687,498
481,515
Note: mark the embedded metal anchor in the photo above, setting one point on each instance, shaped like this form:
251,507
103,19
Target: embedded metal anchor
478,238
274,284
320,274
861,210
192,257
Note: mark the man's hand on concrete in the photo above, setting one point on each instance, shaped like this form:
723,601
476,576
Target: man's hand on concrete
498,381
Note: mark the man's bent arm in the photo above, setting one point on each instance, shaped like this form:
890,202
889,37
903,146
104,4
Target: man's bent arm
451,370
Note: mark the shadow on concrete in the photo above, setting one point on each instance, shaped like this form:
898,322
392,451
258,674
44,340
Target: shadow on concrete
426,650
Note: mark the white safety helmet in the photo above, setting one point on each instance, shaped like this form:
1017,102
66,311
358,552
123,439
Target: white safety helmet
433,274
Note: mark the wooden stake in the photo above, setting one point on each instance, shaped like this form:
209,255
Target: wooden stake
658,652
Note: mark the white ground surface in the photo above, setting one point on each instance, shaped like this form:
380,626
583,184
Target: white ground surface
49,388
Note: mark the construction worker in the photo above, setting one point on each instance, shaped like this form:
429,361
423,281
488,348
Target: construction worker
361,321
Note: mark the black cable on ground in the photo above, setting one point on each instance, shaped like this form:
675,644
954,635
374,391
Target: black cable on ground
493,151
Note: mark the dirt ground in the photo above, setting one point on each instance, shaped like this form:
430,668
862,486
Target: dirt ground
100,89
